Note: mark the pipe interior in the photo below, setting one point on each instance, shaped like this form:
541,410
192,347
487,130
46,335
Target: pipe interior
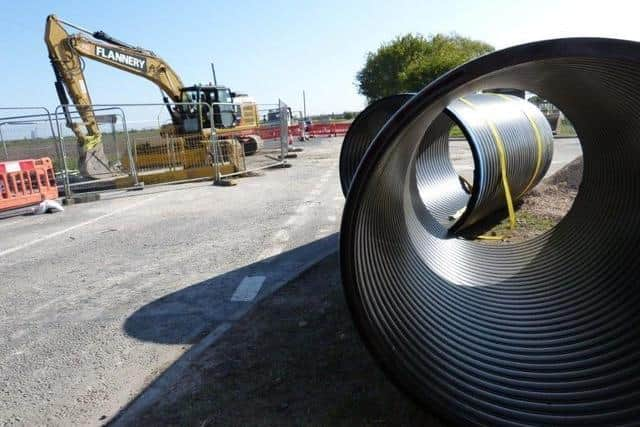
525,136
542,331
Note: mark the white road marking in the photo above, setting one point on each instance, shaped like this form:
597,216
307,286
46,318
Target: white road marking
74,227
248,289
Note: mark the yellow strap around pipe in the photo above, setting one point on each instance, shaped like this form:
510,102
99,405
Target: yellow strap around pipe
489,237
538,136
502,155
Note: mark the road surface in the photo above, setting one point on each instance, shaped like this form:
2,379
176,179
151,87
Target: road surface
82,322
97,302
564,150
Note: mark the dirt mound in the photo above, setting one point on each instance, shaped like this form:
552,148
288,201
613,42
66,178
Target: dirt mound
569,176
549,201
554,197
540,209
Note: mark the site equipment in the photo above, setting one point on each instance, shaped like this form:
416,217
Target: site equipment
66,52
538,332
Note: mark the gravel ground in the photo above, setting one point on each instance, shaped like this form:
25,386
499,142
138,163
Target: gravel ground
98,301
541,209
553,198
295,360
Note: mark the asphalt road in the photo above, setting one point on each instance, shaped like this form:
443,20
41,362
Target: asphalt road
86,315
564,151
97,302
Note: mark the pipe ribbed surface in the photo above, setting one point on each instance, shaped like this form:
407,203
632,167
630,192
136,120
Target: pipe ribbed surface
495,124
525,137
540,332
362,131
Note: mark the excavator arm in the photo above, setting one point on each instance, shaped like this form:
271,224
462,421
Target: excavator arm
66,52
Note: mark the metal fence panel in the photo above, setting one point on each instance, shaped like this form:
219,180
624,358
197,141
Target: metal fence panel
138,143
118,171
142,145
27,133
258,146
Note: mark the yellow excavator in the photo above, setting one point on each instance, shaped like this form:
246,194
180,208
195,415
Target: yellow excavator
66,52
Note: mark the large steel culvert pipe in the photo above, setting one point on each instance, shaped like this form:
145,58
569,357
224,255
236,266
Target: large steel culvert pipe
362,131
511,142
512,146
539,332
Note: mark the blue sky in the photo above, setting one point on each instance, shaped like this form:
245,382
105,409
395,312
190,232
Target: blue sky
275,49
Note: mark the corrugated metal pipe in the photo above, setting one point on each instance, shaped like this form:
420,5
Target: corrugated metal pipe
510,139
362,131
540,332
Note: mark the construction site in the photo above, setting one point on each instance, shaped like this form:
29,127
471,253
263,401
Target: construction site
458,254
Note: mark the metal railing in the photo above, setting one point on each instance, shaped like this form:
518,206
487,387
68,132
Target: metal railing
139,145
115,144
253,148
29,133
26,132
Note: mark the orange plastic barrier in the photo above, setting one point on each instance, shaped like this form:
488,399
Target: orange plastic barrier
314,130
328,129
267,132
26,182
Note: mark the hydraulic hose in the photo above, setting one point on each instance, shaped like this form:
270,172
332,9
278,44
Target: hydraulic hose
541,332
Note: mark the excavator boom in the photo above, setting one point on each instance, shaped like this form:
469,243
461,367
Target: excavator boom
65,52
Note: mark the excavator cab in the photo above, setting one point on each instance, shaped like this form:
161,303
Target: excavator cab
197,116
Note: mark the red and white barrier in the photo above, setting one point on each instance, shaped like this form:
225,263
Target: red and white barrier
315,130
26,182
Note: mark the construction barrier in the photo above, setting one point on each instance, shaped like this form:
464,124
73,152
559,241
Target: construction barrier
140,145
26,182
317,130
328,129
172,152
263,146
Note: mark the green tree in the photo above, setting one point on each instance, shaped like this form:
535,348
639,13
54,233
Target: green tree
410,62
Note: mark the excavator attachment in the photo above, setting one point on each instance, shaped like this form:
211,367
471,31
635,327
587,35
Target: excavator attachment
191,117
67,68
